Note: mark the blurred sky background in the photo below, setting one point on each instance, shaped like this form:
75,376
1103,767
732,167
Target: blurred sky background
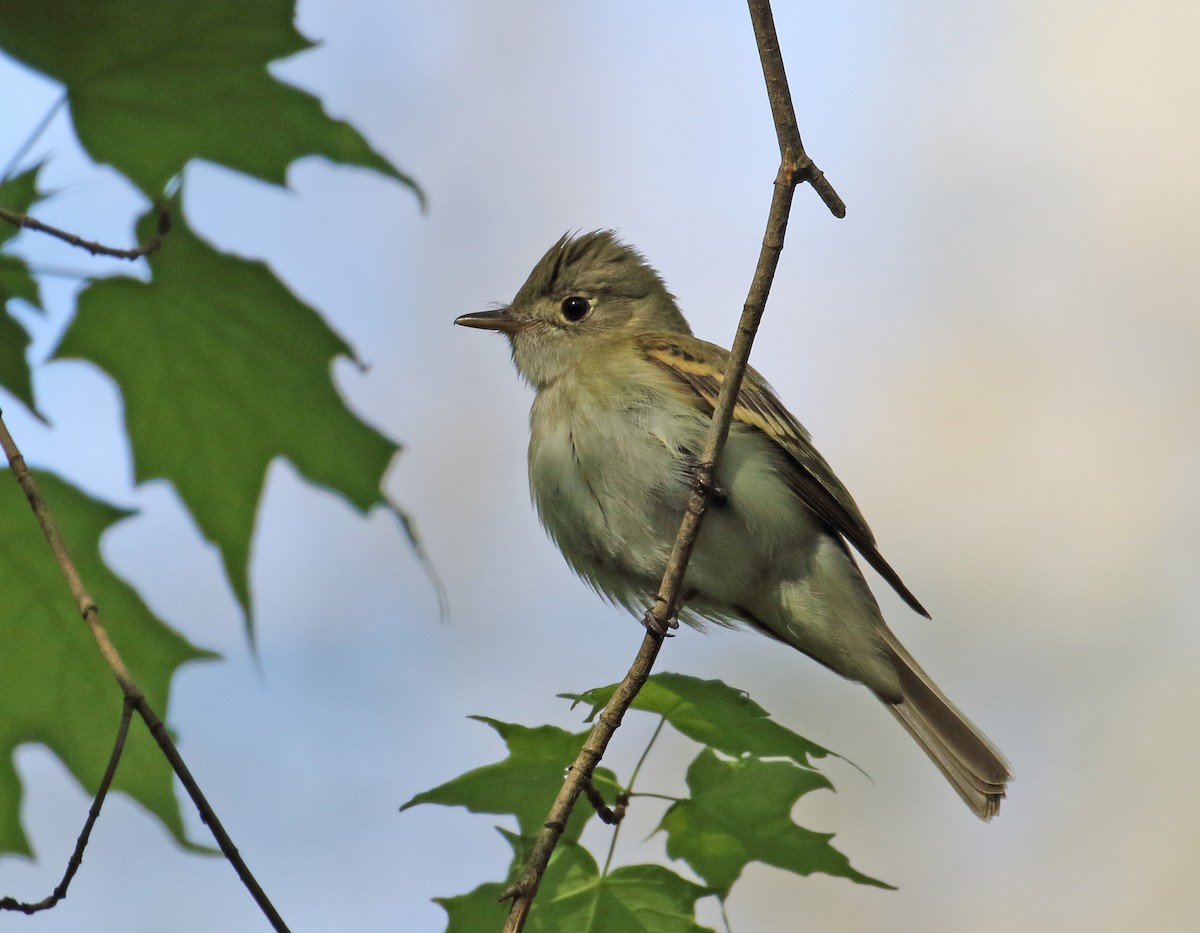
998,350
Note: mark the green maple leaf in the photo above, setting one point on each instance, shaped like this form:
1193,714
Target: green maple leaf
525,783
713,714
55,689
740,812
17,194
476,910
222,370
574,896
154,84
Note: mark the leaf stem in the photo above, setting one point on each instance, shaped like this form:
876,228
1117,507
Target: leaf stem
646,793
645,754
76,859
612,843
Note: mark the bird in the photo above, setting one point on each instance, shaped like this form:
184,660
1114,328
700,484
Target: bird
624,395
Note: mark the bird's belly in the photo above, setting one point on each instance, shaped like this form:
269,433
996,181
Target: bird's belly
613,498
609,502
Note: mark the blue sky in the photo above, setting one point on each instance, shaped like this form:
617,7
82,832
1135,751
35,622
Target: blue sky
995,349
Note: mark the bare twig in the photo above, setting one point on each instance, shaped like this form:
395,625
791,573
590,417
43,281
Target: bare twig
795,167
17,219
793,159
606,813
76,859
34,135
133,693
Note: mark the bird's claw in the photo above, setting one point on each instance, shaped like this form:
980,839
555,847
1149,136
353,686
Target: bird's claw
656,625
705,483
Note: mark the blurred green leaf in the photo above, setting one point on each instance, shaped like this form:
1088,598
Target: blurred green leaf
222,369
153,85
525,783
17,194
740,812
16,280
55,689
713,714
14,365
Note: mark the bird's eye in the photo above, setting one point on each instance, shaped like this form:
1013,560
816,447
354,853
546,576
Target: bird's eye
575,308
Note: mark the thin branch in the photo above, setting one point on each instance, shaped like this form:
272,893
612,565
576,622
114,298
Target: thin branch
607,815
794,160
10,903
152,244
133,693
34,136
795,167
627,793
618,818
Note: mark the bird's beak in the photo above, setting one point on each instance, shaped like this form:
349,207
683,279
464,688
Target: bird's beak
501,319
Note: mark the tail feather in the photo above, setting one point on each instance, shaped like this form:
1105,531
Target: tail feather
972,764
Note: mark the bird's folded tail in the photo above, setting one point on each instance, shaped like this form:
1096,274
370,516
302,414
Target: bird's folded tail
972,765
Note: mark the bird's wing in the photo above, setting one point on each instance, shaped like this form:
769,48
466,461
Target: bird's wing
701,367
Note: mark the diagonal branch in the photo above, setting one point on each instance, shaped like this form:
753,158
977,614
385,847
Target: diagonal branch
35,134
152,244
795,168
133,694
76,859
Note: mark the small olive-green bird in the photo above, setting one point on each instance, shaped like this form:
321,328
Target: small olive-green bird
625,396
